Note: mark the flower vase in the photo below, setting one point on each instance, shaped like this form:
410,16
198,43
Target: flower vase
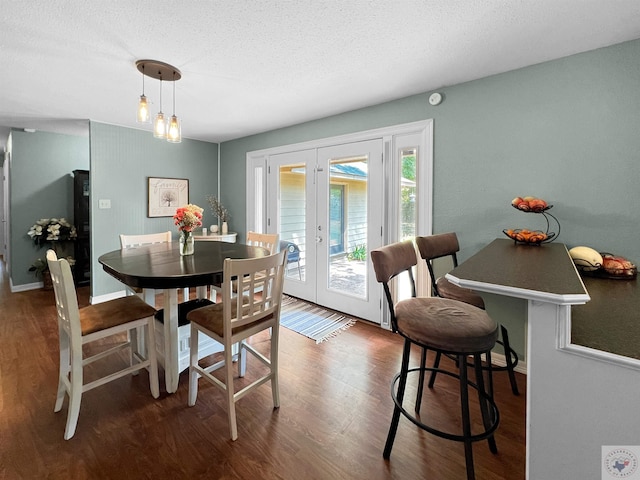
225,228
186,243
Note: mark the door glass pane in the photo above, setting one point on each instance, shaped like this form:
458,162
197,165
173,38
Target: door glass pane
336,219
258,211
292,217
408,213
348,178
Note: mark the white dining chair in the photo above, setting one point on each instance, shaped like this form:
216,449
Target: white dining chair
269,241
264,240
128,241
79,327
234,320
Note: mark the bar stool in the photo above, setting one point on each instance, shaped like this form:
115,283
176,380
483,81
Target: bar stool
446,245
447,327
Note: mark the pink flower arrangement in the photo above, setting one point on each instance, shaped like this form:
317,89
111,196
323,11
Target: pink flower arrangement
187,218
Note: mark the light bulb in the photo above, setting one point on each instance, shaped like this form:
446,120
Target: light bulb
143,110
174,134
159,127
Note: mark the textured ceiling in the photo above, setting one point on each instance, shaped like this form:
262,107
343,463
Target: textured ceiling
252,66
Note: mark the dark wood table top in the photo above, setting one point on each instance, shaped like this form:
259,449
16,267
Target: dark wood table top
544,272
161,266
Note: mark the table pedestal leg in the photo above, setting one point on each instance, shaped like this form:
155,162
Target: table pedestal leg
171,373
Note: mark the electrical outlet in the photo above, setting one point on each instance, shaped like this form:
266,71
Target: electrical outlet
104,203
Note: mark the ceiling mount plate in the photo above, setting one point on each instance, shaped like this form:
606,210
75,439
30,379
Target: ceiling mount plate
158,70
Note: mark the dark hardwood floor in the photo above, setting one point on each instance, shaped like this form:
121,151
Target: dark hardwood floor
332,423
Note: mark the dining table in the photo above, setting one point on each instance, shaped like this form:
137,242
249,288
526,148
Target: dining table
161,267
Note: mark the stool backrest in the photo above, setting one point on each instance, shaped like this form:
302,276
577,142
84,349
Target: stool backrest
438,246
389,262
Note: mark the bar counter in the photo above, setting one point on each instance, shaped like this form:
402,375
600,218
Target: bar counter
581,402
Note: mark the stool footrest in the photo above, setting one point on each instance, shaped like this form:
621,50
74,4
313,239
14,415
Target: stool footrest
488,432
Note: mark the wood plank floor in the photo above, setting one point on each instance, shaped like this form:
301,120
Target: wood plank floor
332,423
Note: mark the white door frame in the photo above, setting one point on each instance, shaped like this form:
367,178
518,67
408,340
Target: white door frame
392,137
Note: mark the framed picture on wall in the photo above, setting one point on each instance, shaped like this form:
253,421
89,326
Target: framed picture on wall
166,195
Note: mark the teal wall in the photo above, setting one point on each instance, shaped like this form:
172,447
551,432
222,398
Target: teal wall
567,131
41,187
121,161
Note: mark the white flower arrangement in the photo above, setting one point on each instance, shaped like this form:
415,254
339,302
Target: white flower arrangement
51,230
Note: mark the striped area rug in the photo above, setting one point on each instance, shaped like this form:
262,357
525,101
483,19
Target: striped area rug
312,321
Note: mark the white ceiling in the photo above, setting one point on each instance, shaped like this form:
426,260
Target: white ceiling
252,66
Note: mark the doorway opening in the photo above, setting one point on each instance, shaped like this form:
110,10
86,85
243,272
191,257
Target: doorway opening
335,200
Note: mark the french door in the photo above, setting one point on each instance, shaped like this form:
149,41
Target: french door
326,203
333,200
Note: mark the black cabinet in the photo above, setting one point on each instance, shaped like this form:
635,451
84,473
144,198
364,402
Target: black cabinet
81,210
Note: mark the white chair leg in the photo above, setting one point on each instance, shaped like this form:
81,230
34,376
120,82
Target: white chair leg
275,389
75,397
193,361
141,344
65,366
132,337
242,359
154,383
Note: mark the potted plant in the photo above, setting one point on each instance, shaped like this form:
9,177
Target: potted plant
219,211
40,268
49,231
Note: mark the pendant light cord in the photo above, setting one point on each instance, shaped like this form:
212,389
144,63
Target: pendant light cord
174,93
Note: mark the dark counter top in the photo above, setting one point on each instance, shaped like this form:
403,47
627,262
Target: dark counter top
536,272
611,320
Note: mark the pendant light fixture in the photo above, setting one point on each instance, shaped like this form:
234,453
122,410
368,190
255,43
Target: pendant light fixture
159,127
162,71
143,108
173,127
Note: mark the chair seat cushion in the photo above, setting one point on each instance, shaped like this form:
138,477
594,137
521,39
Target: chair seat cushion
446,289
101,316
447,325
211,318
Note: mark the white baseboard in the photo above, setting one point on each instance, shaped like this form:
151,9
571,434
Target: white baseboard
107,297
499,360
26,287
